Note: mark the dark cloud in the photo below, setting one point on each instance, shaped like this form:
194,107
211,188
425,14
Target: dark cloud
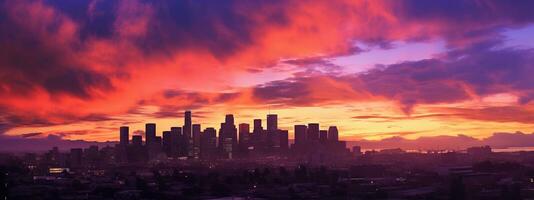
479,70
315,65
399,82
292,91
463,21
482,68
221,26
27,135
33,57
9,120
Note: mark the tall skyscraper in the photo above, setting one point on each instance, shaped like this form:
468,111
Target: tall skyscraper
180,142
244,133
300,137
196,134
257,135
150,133
228,136
124,135
176,130
300,134
272,122
313,132
257,125
187,133
244,137
196,141
273,141
229,120
168,143
333,133
208,144
187,124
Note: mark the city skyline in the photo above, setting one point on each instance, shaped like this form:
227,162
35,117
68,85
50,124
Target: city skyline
378,70
232,141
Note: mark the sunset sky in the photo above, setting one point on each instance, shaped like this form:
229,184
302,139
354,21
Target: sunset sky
376,69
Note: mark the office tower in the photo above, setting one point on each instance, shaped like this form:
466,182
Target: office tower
124,135
244,137
257,125
257,138
333,134
228,137
187,124
221,135
300,135
313,132
176,130
273,141
196,141
187,133
229,119
150,133
137,140
168,143
180,146
284,140
154,147
272,122
244,133
208,144
323,136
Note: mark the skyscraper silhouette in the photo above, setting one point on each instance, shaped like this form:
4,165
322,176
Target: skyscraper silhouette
273,141
208,143
257,135
300,134
187,133
244,137
124,135
187,124
333,133
228,136
313,132
150,133
257,125
272,122
168,143
196,141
